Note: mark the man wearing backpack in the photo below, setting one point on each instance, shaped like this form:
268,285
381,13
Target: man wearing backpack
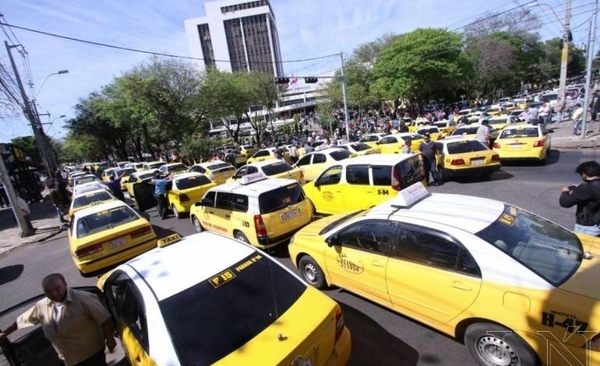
587,198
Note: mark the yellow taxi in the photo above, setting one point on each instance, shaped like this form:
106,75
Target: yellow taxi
523,142
371,139
217,170
359,148
241,306
497,110
499,123
137,177
393,144
138,166
446,127
466,131
313,163
186,189
106,234
511,286
85,178
84,200
269,154
152,165
247,150
257,210
432,130
107,173
364,181
270,168
173,168
466,157
124,174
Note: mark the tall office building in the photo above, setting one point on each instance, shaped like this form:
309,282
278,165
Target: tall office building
236,35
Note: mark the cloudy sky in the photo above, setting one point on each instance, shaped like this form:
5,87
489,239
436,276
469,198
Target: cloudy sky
307,29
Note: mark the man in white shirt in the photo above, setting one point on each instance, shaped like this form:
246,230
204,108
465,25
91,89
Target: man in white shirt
24,207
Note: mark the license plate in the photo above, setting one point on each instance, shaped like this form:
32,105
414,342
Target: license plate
477,162
290,215
515,146
116,243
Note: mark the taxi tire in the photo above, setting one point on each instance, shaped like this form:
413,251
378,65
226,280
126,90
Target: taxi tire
175,212
311,272
197,225
241,237
484,340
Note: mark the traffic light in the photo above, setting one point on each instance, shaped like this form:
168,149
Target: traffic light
310,80
282,80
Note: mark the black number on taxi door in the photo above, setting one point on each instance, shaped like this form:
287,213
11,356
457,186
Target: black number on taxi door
383,192
245,223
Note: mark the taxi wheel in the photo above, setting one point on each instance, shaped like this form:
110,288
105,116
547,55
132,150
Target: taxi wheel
493,345
311,272
197,224
241,237
176,213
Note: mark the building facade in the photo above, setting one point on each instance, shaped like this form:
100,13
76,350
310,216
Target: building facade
236,35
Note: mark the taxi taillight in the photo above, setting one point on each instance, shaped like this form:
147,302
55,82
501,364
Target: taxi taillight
92,249
496,145
141,232
259,225
495,157
339,323
539,143
183,197
457,162
396,181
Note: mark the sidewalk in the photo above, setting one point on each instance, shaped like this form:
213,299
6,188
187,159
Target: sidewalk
43,218
562,135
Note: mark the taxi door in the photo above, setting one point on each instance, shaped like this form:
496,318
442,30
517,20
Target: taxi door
328,190
219,216
358,258
430,276
312,170
358,193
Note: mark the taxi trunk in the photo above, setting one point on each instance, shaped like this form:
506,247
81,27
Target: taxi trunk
95,252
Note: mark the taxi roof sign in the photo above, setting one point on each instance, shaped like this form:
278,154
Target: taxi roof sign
410,195
253,177
173,238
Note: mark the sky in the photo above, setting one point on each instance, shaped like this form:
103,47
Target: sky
307,29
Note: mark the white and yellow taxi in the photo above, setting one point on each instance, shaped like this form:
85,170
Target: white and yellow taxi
108,173
364,181
137,177
371,139
446,127
313,163
523,142
393,144
257,210
173,168
106,234
210,300
432,130
359,148
272,169
216,170
124,174
152,165
87,199
186,189
512,286
466,157
269,154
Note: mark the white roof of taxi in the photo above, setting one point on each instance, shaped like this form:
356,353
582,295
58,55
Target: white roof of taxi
467,213
87,187
101,207
187,175
209,163
376,159
176,267
254,188
260,164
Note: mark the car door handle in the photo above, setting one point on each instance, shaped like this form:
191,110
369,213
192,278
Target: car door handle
376,263
461,286
211,212
228,216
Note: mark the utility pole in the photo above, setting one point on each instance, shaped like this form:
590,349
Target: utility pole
12,196
33,118
588,74
344,96
565,52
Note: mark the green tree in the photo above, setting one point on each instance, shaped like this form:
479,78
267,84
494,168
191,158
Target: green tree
28,146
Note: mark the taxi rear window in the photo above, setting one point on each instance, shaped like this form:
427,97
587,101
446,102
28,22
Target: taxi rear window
191,182
276,168
340,155
465,146
280,198
409,171
221,167
217,316
104,220
86,200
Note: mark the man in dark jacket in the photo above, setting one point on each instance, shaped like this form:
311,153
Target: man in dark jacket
587,198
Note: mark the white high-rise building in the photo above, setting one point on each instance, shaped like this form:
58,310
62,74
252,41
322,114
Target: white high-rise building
236,35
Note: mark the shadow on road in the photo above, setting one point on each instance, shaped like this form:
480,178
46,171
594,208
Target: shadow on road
10,273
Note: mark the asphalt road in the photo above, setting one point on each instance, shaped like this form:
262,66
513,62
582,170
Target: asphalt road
380,336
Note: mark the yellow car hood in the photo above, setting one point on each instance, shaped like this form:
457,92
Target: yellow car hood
304,331
583,281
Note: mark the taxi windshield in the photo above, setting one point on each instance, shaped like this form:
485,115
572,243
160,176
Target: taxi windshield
340,221
100,221
340,155
212,319
360,147
280,198
465,146
276,168
221,167
549,250
80,201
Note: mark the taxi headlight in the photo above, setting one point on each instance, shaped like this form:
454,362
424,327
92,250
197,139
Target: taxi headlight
291,240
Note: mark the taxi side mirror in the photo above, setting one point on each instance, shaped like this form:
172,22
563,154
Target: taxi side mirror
332,240
317,183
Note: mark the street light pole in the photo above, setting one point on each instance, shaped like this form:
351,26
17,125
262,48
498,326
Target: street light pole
344,96
588,75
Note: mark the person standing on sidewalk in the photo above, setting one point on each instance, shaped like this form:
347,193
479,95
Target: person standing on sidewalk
74,321
587,198
57,201
430,153
577,118
24,207
560,106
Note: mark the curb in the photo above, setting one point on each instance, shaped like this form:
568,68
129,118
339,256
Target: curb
39,238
